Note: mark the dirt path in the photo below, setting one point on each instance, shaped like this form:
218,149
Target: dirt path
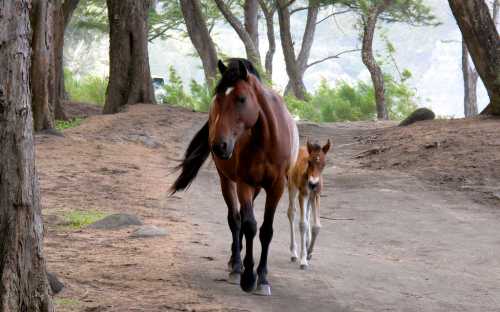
397,243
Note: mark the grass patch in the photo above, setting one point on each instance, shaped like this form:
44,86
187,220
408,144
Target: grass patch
67,302
80,219
67,124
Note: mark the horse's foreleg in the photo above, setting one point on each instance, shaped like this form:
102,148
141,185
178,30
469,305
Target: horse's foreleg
249,229
266,234
316,224
292,197
304,229
233,219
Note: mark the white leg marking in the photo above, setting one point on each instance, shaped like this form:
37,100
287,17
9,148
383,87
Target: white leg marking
304,228
292,197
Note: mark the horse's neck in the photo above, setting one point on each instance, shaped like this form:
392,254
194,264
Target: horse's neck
266,129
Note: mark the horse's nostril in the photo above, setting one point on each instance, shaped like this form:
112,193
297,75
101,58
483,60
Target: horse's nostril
223,146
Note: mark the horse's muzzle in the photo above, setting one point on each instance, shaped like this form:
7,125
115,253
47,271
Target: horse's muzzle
223,150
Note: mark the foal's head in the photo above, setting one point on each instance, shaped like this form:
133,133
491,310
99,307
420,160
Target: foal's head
316,164
235,106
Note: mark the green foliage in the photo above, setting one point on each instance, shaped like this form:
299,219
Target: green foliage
89,89
68,303
346,102
198,98
80,219
67,124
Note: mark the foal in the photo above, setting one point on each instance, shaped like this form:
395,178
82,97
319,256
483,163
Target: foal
305,180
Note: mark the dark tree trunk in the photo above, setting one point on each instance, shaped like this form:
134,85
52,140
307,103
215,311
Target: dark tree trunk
269,17
200,37
369,23
247,38
57,65
23,281
481,37
129,74
42,45
307,42
470,84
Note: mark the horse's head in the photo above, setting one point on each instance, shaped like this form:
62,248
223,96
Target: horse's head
235,107
316,163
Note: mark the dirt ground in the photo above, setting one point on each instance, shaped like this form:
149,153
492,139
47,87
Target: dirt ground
410,219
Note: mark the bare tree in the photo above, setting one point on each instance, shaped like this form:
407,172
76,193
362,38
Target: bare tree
200,37
129,73
268,8
481,37
248,33
23,281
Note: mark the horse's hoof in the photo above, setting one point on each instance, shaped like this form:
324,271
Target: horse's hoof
234,278
293,259
263,290
247,281
303,266
309,256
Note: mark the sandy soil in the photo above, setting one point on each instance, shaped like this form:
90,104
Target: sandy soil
392,240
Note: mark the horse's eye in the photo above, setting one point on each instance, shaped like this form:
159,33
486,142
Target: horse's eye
241,99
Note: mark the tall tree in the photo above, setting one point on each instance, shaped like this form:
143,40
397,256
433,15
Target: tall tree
268,8
129,73
481,37
23,281
297,65
247,32
200,37
470,74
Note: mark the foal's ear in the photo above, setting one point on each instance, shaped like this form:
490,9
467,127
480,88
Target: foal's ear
222,67
309,146
326,147
242,70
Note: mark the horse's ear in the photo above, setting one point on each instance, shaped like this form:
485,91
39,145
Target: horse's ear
222,67
309,146
242,70
326,147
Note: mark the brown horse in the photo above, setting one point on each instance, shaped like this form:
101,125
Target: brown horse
254,142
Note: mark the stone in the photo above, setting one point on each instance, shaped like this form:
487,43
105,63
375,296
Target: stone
148,231
55,284
419,114
115,221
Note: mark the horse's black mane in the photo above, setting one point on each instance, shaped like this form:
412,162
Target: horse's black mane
233,74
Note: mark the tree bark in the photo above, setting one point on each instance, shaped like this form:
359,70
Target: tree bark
369,23
251,14
42,45
56,71
129,73
23,281
470,84
269,17
482,40
200,37
251,49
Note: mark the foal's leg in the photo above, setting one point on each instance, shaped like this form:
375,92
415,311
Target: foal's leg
266,234
233,219
316,223
292,197
249,229
304,229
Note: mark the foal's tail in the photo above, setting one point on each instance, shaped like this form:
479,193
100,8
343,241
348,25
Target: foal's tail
196,154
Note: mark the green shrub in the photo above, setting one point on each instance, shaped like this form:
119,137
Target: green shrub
66,124
79,219
89,89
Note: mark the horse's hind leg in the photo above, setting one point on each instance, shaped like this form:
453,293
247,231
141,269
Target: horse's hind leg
266,235
249,229
234,221
292,197
316,224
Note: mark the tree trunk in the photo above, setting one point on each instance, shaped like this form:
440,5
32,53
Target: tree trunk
57,66
251,49
200,37
23,281
251,13
470,84
269,17
307,42
42,45
481,37
369,23
129,74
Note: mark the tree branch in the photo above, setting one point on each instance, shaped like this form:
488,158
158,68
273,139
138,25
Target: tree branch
333,14
332,57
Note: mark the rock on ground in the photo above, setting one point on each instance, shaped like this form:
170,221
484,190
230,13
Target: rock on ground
418,115
116,221
148,231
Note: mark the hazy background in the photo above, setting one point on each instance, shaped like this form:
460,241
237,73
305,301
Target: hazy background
432,54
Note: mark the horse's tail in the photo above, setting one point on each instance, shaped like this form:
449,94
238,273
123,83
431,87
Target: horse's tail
196,154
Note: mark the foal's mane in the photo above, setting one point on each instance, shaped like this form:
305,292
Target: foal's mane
233,74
